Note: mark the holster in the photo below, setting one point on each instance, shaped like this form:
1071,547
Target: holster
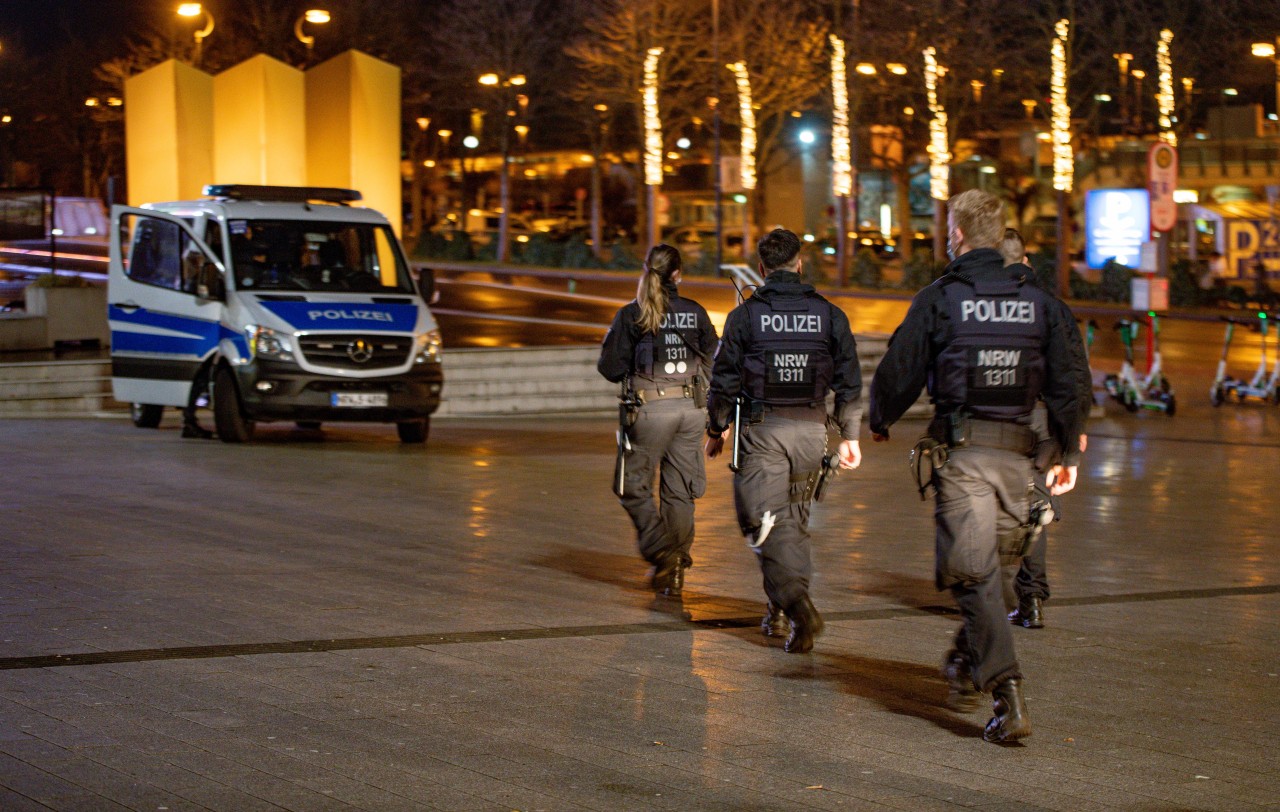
830,469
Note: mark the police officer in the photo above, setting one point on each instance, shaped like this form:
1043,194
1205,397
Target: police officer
1028,588
660,346
988,345
783,350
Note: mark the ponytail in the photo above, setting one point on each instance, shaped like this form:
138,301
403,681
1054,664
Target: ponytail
660,265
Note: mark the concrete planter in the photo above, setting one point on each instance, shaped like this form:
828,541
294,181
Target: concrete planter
70,314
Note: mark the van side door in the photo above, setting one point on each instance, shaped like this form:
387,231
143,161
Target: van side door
165,301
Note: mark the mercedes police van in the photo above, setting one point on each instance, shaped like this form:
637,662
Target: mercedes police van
269,303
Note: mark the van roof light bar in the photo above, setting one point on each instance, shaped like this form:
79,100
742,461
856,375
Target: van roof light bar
283,194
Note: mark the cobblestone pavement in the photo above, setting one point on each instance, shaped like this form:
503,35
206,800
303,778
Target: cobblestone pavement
334,621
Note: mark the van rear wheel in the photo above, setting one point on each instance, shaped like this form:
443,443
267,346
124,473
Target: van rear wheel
414,431
228,414
145,415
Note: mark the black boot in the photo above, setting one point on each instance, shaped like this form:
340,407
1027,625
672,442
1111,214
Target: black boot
675,587
1010,721
666,569
961,695
774,623
806,624
192,431
1028,615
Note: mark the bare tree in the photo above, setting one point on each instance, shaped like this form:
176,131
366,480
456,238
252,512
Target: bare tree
785,50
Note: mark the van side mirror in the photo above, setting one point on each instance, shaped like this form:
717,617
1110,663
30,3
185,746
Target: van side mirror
209,283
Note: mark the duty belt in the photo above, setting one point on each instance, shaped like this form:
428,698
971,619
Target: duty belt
816,411
665,393
989,434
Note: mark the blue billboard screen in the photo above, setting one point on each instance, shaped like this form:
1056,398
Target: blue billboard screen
1116,224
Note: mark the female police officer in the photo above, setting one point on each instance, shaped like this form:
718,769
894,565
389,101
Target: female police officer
659,347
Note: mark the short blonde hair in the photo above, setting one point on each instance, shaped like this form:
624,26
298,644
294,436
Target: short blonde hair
979,216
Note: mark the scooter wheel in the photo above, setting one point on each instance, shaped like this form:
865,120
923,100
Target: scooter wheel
1130,400
1170,405
1215,396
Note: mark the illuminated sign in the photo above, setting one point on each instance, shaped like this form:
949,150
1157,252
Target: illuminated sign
1116,224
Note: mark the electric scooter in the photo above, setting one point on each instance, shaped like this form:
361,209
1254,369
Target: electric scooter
1260,385
1152,391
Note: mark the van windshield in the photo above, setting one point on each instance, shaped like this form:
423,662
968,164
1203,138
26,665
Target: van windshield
325,257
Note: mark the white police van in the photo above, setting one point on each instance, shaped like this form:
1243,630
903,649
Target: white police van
269,303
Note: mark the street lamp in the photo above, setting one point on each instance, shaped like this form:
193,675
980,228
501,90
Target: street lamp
1270,50
504,184
195,10
315,16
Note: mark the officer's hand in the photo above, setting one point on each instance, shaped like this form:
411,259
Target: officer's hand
1060,479
880,438
850,454
715,445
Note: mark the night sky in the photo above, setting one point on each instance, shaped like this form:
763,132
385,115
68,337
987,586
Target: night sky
37,25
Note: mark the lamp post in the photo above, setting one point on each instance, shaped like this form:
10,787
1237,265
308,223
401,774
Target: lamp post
1270,50
195,10
315,16
599,135
1138,76
1123,61
505,83
415,159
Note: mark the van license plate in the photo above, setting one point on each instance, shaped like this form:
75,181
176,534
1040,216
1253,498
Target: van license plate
358,400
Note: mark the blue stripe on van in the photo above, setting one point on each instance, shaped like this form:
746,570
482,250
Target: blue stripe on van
199,337
394,318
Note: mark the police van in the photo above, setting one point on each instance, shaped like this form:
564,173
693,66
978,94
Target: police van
269,303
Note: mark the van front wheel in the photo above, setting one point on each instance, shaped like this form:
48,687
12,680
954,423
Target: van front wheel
228,414
145,415
414,431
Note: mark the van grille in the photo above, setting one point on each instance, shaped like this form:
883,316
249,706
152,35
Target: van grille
356,351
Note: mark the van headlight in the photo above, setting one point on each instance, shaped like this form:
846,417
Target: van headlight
267,343
429,345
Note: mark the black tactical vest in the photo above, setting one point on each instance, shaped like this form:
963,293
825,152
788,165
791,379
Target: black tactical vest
993,365
668,356
788,361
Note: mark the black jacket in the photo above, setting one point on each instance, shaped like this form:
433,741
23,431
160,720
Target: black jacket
926,330
726,374
617,353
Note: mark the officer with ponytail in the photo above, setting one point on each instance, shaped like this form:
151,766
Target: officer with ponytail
784,349
659,349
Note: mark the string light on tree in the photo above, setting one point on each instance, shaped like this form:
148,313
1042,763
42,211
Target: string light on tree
1060,118
1164,96
939,151
747,165
652,124
841,161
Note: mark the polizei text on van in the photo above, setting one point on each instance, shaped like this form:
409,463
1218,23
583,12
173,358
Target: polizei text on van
339,314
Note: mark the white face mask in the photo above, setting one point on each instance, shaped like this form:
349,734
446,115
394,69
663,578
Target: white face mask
953,243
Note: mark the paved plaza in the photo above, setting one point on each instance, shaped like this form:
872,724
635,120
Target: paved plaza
337,622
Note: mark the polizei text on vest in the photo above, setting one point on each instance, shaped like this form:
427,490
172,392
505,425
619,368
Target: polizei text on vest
992,310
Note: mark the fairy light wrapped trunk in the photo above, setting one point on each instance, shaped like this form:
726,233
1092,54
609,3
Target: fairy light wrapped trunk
841,159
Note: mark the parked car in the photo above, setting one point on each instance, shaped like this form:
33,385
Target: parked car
692,240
